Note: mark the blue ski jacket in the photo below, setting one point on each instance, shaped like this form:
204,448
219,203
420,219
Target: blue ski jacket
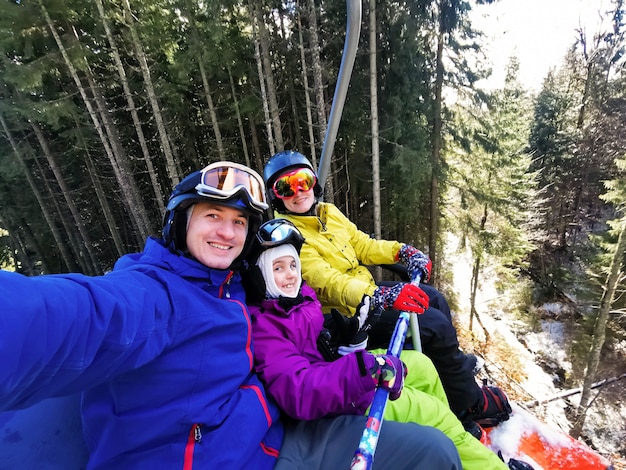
161,349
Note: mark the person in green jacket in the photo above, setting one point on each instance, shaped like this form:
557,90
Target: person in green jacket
334,260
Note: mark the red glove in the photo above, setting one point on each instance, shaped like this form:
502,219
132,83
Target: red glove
402,296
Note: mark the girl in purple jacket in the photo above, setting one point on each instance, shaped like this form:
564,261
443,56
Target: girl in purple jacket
287,321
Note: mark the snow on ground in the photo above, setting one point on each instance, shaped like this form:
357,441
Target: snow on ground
538,384
608,433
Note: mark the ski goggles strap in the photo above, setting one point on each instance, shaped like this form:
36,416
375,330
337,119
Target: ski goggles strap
288,184
222,180
278,232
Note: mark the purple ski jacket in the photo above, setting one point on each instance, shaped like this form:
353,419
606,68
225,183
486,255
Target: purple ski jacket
296,375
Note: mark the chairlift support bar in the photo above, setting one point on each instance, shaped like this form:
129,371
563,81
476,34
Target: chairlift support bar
351,44
365,452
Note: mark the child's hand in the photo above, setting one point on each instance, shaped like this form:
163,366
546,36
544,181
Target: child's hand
388,372
353,331
362,314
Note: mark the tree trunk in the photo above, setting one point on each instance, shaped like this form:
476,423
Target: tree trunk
257,56
476,271
100,194
104,205
56,234
122,162
307,96
256,145
152,172
172,171
599,333
72,236
318,83
436,153
291,66
478,257
211,108
374,127
242,133
121,178
269,79
87,244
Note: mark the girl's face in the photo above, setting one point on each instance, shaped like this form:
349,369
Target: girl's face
286,275
301,202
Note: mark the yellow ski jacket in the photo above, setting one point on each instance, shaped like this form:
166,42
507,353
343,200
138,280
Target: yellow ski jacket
335,256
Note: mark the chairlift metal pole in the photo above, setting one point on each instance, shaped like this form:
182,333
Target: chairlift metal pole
351,44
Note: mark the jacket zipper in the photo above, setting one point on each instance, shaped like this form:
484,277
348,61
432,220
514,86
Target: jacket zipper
225,287
195,436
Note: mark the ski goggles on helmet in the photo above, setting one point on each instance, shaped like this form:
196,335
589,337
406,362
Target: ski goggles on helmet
278,232
223,180
288,184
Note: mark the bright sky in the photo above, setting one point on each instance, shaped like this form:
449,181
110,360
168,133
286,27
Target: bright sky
538,32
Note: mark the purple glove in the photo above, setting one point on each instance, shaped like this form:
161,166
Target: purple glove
402,296
415,261
388,372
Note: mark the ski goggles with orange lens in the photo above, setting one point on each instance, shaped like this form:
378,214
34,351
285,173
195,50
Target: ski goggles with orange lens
223,180
288,184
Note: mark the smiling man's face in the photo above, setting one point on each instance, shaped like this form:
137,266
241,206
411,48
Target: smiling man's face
216,234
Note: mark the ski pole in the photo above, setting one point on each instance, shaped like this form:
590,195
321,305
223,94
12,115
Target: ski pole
364,454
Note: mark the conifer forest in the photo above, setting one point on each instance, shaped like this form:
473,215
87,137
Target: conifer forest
106,104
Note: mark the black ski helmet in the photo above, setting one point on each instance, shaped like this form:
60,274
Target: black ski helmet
274,233
279,164
271,234
226,183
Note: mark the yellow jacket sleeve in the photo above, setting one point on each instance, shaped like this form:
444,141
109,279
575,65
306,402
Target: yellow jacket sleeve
334,257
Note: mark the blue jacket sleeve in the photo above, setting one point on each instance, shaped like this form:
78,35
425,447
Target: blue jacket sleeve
60,334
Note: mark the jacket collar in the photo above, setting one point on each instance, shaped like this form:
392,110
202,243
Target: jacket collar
156,254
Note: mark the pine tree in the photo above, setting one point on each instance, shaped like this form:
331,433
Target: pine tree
493,184
615,195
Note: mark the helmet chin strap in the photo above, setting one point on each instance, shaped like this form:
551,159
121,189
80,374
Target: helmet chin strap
189,212
312,211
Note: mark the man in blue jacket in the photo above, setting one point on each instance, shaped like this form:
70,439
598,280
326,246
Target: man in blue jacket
161,350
